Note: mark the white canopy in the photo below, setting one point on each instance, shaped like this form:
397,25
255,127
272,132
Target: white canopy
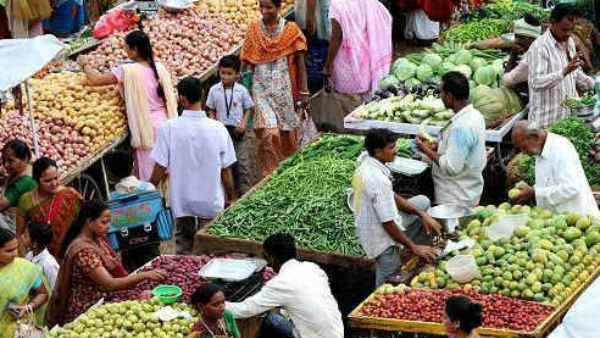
21,58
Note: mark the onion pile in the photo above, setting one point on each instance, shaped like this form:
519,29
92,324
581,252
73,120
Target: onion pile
63,144
181,270
188,42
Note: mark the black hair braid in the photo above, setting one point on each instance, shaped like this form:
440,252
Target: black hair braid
141,42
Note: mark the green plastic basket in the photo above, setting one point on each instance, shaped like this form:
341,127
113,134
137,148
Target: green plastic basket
167,294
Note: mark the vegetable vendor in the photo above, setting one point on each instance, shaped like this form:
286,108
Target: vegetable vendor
213,321
526,30
16,156
300,288
555,72
560,182
459,158
380,228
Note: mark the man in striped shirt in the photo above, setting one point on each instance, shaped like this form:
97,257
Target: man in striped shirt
555,70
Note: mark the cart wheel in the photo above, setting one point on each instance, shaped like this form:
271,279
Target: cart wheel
87,187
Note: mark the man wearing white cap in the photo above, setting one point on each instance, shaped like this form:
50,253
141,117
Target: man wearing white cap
526,30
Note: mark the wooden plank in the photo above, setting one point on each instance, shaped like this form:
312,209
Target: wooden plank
390,324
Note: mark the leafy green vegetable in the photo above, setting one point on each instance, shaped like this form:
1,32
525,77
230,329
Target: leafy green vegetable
508,10
424,72
485,75
477,30
477,63
405,70
432,60
389,81
464,69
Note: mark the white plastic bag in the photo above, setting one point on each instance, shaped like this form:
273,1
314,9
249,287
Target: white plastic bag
463,268
308,130
505,226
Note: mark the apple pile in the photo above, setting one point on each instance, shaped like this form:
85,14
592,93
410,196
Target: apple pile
427,305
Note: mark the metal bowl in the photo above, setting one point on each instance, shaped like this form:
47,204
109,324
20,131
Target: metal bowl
450,215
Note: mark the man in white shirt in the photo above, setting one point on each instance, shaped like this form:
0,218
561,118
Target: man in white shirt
459,158
380,227
555,70
300,288
560,183
198,153
40,234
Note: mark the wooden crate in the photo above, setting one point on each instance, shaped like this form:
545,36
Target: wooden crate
208,243
388,324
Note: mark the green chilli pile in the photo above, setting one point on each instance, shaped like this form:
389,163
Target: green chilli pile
305,197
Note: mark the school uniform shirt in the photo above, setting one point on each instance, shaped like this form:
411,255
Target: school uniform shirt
195,149
560,183
302,290
458,175
548,87
47,263
220,98
373,203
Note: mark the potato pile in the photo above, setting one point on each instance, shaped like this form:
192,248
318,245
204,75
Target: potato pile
188,42
240,12
97,112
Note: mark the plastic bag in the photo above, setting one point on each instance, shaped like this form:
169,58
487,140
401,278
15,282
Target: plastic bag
113,21
463,268
308,130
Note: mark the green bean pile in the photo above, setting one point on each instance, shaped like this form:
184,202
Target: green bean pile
305,197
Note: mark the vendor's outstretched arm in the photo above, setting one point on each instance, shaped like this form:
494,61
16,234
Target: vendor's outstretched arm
405,206
272,295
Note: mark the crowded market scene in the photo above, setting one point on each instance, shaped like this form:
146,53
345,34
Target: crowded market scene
299,168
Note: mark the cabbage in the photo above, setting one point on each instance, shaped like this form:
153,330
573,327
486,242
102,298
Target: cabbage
512,101
388,81
432,60
485,75
411,83
498,66
466,70
477,63
446,67
463,57
405,71
424,72
398,62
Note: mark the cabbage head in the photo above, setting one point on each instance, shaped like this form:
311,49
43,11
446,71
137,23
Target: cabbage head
432,60
446,67
398,62
466,70
405,71
498,66
477,63
424,72
463,57
411,83
389,81
485,75
490,103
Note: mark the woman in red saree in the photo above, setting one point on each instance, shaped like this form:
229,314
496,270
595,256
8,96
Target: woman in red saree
51,203
274,49
89,268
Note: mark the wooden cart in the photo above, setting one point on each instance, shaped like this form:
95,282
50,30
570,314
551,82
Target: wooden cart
357,320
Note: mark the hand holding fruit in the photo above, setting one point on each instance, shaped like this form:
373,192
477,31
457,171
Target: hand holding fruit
521,192
425,252
431,224
156,275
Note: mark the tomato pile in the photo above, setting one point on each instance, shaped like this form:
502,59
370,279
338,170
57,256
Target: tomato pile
181,271
428,306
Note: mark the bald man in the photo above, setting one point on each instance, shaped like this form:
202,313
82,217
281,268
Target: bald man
560,183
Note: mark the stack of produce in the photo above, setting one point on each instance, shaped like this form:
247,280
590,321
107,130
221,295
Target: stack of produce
305,197
127,319
240,13
428,306
477,30
174,37
181,271
409,109
545,260
73,120
481,67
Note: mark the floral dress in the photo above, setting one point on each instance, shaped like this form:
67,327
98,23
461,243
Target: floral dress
272,90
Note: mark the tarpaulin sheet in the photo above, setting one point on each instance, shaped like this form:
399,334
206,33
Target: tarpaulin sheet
21,58
582,320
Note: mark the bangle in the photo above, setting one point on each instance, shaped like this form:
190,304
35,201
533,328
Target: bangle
304,93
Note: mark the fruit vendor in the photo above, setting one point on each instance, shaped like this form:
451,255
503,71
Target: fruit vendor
300,288
380,227
556,71
459,158
526,30
560,182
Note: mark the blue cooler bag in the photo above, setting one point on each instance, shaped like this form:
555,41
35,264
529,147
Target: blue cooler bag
139,219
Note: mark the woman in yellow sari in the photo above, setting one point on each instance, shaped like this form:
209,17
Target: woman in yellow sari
23,289
274,49
148,93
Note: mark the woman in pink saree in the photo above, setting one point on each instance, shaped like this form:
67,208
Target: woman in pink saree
360,50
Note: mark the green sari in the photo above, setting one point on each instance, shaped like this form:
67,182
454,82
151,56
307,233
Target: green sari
18,281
